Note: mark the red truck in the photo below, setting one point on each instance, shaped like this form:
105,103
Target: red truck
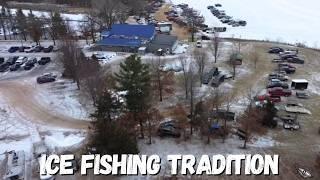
279,91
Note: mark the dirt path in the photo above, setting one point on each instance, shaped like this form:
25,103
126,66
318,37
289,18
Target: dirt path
22,99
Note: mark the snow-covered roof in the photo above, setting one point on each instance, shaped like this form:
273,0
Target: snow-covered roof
299,80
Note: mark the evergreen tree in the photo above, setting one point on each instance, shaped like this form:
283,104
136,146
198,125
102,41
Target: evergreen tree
58,26
134,78
107,106
22,23
270,113
108,136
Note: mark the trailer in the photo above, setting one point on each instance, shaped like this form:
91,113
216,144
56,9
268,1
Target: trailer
300,84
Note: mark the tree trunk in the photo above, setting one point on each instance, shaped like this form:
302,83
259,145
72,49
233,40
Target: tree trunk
149,129
160,86
141,129
245,143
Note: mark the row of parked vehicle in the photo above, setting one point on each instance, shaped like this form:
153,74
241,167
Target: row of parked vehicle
32,49
278,86
15,63
290,56
224,18
180,14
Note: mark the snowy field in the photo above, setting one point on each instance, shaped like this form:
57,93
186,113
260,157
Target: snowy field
277,20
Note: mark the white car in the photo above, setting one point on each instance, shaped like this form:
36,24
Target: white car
21,60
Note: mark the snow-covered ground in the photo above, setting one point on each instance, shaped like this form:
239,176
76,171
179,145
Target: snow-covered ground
277,20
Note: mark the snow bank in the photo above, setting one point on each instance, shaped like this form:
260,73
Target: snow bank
63,139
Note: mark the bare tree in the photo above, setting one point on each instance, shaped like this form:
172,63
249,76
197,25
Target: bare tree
250,122
228,99
202,116
201,58
71,57
194,20
191,78
158,76
3,23
184,65
180,115
110,11
153,117
215,46
255,57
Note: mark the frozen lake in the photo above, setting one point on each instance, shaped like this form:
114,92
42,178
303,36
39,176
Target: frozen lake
278,20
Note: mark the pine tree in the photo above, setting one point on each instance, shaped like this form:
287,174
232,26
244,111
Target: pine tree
107,106
58,26
134,78
109,136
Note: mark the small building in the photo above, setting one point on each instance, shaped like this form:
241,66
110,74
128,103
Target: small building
166,43
164,27
126,37
300,84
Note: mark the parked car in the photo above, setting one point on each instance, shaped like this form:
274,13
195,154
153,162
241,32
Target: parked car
279,91
21,60
278,84
46,78
289,52
44,60
15,67
31,61
12,60
38,49
30,50
296,60
242,23
13,49
275,50
28,67
48,49
1,60
287,56
287,69
302,95
291,125
4,67
169,129
279,76
278,61
22,48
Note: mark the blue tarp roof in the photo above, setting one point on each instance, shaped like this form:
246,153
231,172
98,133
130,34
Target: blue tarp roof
130,30
120,42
